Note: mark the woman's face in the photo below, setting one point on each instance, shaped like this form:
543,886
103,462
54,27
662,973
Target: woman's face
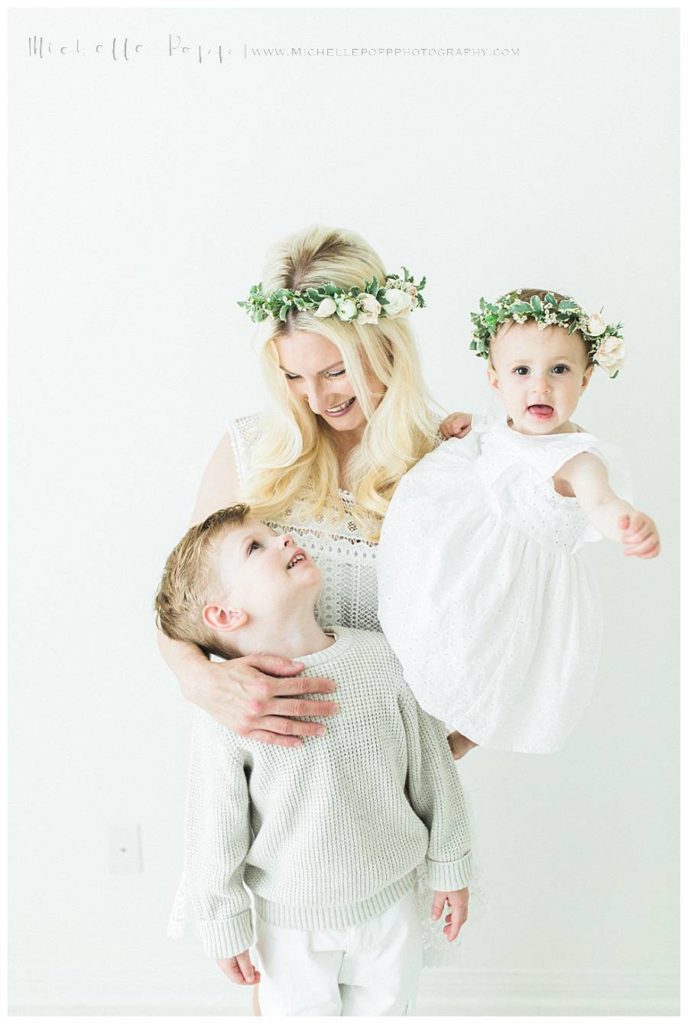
314,369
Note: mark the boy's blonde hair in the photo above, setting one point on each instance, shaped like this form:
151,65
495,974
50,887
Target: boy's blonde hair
190,580
295,459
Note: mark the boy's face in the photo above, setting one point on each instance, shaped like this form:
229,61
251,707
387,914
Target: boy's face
262,572
540,375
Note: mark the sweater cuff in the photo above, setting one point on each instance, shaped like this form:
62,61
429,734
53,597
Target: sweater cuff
225,938
446,876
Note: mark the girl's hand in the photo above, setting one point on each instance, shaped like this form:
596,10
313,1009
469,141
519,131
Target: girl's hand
239,969
639,535
458,906
255,697
458,424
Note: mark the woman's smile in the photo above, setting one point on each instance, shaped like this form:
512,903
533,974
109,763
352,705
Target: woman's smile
342,408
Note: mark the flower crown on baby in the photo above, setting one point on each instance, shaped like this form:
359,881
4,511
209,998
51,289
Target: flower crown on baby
604,341
394,298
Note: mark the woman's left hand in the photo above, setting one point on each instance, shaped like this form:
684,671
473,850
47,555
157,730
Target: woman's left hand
458,424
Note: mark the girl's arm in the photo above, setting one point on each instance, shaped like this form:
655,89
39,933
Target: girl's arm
457,424
250,696
616,519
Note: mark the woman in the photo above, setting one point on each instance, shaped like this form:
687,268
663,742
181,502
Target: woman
351,416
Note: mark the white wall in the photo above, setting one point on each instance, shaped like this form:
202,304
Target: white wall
143,197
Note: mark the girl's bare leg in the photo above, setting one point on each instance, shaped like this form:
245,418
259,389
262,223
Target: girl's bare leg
459,745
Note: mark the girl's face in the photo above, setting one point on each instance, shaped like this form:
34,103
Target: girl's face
539,375
314,369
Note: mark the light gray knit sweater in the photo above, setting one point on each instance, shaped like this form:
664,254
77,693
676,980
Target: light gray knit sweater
328,834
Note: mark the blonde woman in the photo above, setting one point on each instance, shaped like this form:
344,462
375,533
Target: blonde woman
350,416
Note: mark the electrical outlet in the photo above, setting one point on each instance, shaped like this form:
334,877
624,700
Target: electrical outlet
125,850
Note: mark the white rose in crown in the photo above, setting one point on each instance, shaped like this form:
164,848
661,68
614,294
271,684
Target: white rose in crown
326,308
610,354
595,325
398,303
368,309
346,309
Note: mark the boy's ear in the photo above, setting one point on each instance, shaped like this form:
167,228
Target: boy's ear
224,619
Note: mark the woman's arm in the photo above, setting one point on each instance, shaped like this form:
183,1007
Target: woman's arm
252,696
616,519
220,484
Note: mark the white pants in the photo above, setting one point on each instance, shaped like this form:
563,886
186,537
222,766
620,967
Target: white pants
371,968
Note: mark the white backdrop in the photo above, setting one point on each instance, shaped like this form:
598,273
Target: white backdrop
143,195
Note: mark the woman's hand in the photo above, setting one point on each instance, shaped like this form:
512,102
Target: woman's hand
458,424
255,697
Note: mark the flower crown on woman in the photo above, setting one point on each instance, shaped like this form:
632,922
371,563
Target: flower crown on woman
395,297
604,341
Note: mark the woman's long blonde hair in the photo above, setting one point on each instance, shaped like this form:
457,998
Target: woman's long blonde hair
400,429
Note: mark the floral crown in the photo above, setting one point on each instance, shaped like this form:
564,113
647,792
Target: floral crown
605,342
395,297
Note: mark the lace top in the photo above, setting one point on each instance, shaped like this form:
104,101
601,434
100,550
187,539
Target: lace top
346,558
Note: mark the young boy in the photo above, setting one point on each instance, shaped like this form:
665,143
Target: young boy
326,836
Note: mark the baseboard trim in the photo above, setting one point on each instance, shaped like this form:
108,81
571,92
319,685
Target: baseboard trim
548,993
444,992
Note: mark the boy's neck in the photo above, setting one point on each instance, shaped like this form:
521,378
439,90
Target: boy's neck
294,635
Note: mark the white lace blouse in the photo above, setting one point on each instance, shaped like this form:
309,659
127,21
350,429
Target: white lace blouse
346,559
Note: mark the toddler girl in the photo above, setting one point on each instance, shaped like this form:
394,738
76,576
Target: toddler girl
483,593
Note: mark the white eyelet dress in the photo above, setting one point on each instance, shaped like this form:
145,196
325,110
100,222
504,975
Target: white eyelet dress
348,598
484,595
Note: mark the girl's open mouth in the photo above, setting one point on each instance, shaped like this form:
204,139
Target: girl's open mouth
541,412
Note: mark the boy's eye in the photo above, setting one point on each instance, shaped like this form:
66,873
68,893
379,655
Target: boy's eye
560,368
521,371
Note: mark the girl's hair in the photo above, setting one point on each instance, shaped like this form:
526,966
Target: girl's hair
400,430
